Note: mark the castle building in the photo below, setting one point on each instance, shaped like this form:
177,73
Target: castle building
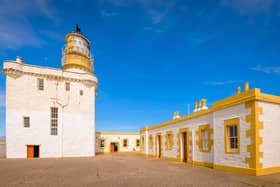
239,133
110,142
51,112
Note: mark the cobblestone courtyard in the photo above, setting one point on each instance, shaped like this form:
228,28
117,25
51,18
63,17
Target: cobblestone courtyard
119,170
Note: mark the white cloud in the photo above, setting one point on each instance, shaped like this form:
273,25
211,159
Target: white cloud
106,13
156,12
16,30
252,6
268,70
221,83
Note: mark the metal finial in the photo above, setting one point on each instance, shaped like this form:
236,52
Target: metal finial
78,28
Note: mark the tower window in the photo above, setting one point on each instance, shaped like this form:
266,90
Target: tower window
81,92
54,120
40,84
67,86
26,121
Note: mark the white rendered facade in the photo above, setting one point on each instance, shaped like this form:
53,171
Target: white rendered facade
256,118
72,132
117,138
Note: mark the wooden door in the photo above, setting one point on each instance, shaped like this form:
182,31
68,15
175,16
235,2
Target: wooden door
112,147
159,146
185,140
30,151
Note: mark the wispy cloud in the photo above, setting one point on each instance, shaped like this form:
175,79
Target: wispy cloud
156,12
16,29
106,13
221,83
252,6
156,29
268,70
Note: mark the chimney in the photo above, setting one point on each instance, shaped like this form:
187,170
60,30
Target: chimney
19,60
246,86
238,90
176,115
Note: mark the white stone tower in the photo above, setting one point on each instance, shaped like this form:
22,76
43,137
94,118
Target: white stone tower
51,112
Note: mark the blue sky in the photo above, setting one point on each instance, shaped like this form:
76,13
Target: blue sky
151,57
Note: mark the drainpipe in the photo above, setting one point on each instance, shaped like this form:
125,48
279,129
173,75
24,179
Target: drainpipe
62,113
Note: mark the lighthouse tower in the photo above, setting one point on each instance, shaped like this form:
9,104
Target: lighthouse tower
50,112
76,56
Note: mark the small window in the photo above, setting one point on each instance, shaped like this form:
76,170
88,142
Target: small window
26,121
232,137
102,143
81,92
54,120
169,140
125,143
67,86
137,142
204,139
40,84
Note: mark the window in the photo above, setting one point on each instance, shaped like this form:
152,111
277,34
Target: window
137,142
40,83
232,136
81,92
204,139
102,143
169,140
67,86
26,121
125,143
54,120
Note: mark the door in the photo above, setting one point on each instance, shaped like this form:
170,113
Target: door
33,151
159,146
185,147
36,151
112,147
30,151
116,147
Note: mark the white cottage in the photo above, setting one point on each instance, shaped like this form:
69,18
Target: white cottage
111,142
239,133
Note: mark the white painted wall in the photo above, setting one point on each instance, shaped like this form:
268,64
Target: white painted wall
76,120
270,134
117,138
220,157
216,120
192,125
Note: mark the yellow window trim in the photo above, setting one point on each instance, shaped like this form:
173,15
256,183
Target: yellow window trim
169,143
227,123
199,142
151,142
126,142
